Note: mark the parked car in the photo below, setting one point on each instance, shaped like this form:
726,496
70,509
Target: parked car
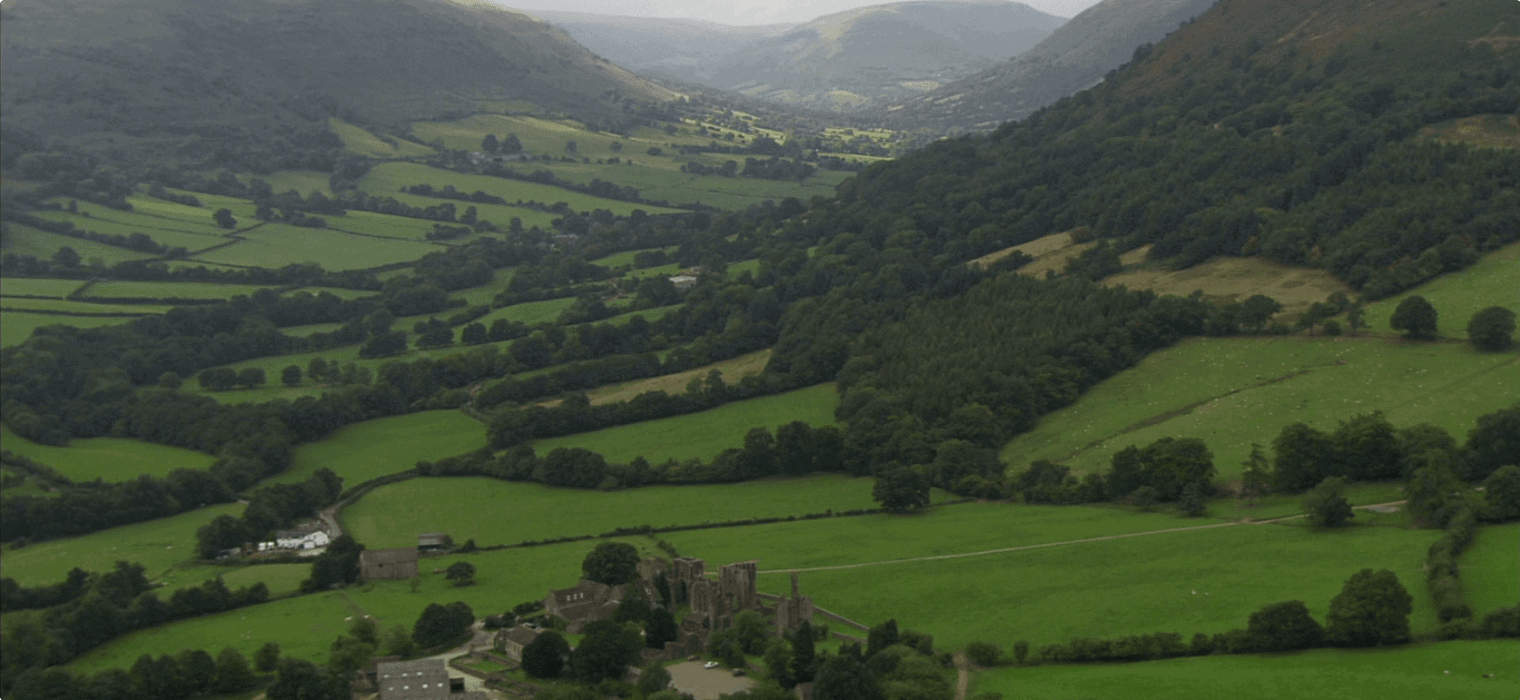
710,664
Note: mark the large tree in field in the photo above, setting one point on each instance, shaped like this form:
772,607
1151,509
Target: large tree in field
1415,317
1304,457
544,657
441,624
1283,627
605,651
1372,609
901,490
612,563
1326,504
1492,329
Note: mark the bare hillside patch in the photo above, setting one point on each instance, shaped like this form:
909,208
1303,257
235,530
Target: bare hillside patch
1482,130
1049,253
1235,279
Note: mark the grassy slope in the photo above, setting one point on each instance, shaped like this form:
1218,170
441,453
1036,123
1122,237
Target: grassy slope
386,179
1235,391
16,327
375,448
110,459
278,245
705,434
1493,281
25,240
33,286
1105,588
391,516
732,370
1443,671
156,544
306,626
1490,570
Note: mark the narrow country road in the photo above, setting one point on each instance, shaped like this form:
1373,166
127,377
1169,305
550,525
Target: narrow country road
329,516
984,552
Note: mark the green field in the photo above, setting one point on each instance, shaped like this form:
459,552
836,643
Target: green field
66,307
282,579
391,516
375,448
1235,391
303,181
386,180
25,240
1490,569
1050,594
375,224
624,258
169,232
16,326
305,626
156,544
109,459
1438,671
530,312
38,287
278,245
168,290
1493,281
705,434
486,293
357,140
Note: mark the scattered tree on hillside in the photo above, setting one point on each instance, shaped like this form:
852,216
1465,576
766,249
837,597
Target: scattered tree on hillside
291,375
1020,651
232,672
1492,329
301,680
605,651
462,573
1501,493
1415,317
224,218
1372,609
489,144
1326,504
1193,503
612,563
1434,491
1255,476
1302,455
267,658
901,490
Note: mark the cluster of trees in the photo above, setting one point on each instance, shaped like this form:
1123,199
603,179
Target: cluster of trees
269,508
188,674
82,508
111,604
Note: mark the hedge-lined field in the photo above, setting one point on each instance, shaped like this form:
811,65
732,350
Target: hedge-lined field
491,511
1490,570
108,459
1492,281
1205,580
1434,671
305,626
278,245
703,435
388,178
384,446
156,544
17,326
1232,392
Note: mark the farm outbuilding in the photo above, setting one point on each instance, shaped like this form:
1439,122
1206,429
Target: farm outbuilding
398,563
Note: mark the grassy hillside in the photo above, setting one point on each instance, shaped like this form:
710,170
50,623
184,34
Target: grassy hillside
1232,392
705,434
156,544
393,515
383,446
1492,281
1490,572
1438,671
1102,588
108,459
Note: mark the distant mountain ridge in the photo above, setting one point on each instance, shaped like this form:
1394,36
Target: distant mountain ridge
1074,57
117,70
843,60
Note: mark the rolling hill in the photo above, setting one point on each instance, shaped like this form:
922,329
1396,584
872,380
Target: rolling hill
840,60
1074,57
203,76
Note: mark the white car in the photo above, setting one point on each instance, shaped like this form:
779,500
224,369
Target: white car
710,664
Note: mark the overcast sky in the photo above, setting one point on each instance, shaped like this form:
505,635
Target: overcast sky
747,11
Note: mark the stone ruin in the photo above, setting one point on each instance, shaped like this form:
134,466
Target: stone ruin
792,612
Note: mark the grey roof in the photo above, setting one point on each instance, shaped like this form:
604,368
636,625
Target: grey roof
422,679
522,634
388,556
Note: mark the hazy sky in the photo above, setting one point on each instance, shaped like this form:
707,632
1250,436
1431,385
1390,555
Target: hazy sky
747,11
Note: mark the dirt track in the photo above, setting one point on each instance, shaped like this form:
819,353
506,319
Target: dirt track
1053,544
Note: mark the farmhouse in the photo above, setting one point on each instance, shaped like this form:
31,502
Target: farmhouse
423,679
587,601
510,641
684,282
296,539
397,563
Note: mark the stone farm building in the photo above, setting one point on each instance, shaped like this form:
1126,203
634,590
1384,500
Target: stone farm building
423,679
586,601
398,563
511,640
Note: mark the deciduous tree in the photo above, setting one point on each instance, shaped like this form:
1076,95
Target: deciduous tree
1415,317
544,657
901,490
612,563
1372,609
462,573
1326,504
